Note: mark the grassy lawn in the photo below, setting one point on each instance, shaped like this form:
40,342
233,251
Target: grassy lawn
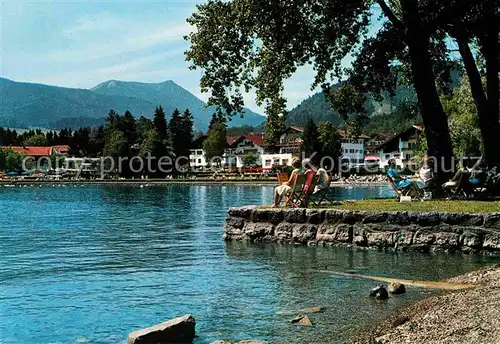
437,205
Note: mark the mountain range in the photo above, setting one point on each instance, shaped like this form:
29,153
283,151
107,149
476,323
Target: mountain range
25,105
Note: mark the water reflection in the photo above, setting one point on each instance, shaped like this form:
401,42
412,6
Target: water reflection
103,261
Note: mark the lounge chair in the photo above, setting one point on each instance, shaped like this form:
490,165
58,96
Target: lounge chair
308,189
399,191
462,190
321,196
282,177
295,197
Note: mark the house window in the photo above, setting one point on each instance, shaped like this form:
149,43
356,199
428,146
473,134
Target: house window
200,152
199,161
351,150
268,162
408,156
284,162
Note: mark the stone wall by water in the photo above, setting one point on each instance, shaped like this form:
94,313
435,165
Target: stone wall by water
421,231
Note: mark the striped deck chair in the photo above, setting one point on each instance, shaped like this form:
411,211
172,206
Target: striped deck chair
282,178
293,199
308,189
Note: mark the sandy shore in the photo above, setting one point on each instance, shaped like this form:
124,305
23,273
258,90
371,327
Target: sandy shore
470,316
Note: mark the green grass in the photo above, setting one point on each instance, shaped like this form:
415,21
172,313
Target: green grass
437,205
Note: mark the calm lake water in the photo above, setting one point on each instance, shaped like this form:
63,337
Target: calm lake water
89,264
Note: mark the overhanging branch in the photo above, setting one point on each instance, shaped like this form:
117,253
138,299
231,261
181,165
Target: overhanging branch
390,15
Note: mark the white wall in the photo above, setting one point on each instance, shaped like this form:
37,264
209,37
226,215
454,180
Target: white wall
197,158
268,160
353,150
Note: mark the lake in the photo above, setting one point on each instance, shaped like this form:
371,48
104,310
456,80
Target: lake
89,264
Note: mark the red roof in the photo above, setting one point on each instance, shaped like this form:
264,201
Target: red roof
32,150
256,139
230,139
61,149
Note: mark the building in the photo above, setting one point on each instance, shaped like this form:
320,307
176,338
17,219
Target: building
282,159
400,147
291,140
376,140
242,146
197,154
353,148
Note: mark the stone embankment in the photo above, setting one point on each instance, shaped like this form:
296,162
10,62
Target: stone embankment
420,231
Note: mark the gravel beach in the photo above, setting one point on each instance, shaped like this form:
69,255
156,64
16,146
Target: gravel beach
470,316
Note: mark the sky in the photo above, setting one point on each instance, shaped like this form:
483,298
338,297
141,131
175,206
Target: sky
83,43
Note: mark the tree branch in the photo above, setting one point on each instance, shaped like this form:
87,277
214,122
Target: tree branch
390,15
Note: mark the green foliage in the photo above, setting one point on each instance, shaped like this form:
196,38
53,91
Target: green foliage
315,107
463,121
10,160
244,130
144,126
273,129
403,117
310,139
215,143
160,122
36,140
250,160
152,144
331,143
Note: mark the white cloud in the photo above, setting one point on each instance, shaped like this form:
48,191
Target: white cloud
103,35
100,22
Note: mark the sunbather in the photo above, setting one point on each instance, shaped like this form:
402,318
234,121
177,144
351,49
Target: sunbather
425,174
285,188
399,182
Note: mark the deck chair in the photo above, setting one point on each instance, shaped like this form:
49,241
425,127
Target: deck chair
282,177
294,198
322,196
463,189
308,189
406,191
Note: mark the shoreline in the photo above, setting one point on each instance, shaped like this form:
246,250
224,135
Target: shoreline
150,182
468,316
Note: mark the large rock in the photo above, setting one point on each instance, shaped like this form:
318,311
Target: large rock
302,320
179,331
380,293
396,288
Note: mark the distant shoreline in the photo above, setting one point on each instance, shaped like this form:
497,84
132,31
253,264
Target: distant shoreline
251,182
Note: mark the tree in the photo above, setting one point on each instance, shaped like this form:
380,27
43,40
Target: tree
187,133
331,142
215,143
310,140
97,141
463,121
36,140
160,123
480,27
10,160
144,126
250,160
246,44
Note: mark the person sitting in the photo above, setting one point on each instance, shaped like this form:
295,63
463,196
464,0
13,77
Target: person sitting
463,173
425,174
323,181
399,182
286,187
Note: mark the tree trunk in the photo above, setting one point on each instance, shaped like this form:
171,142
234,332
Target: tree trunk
489,122
435,121
488,119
